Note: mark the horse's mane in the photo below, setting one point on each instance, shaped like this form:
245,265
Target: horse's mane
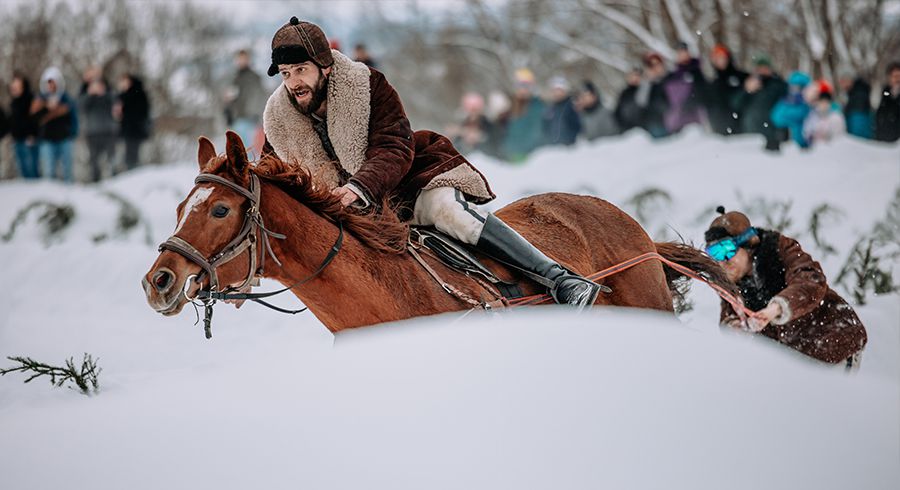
378,227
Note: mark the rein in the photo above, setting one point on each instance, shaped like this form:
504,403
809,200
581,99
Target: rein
252,231
732,300
539,299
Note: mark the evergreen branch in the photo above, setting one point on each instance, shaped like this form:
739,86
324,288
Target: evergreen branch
84,377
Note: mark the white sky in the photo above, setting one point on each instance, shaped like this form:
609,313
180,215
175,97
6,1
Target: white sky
263,9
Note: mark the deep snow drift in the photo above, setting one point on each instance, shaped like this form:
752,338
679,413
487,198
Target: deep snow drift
536,398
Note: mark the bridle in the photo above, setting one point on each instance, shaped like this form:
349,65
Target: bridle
253,231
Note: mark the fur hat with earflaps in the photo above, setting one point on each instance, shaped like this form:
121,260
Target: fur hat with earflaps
298,42
730,224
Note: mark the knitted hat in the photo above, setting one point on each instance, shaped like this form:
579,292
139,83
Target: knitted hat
730,224
762,59
298,42
524,76
799,78
720,49
651,58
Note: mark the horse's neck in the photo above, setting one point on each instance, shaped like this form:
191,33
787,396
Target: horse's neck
361,286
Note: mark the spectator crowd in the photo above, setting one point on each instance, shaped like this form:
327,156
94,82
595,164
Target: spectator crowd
113,121
657,98
45,123
662,100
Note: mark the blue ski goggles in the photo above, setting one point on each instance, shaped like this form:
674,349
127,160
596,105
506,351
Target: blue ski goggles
726,248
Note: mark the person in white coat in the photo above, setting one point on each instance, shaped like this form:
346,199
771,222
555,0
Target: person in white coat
825,122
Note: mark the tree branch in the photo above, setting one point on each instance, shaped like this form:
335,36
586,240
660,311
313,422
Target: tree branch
608,59
632,27
684,32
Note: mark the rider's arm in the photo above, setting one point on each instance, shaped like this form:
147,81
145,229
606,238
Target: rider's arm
806,284
390,153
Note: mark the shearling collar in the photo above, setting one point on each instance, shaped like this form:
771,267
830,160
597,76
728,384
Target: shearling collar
293,138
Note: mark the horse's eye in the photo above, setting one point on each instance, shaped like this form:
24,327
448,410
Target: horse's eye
220,211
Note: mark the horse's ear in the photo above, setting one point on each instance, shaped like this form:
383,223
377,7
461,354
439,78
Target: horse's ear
236,153
206,152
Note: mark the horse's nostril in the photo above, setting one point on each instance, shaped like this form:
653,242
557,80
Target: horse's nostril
161,280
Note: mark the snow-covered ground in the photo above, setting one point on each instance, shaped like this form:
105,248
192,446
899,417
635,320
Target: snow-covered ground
536,398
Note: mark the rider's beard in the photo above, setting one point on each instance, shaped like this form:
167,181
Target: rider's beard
317,95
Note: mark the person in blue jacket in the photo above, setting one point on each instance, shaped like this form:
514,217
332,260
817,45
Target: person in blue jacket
790,112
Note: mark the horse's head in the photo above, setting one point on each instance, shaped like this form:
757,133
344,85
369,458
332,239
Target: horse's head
207,221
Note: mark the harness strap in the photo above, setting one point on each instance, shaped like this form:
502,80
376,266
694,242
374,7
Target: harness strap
255,296
176,244
235,247
277,308
443,284
258,219
187,250
252,194
496,290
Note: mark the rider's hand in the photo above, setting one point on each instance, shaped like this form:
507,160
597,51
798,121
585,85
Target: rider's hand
348,196
761,319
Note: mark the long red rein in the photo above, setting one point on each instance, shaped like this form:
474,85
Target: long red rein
735,303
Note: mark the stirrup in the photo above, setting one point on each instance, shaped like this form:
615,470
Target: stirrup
586,297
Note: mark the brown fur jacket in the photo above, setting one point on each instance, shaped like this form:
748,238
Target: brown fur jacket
815,319
372,140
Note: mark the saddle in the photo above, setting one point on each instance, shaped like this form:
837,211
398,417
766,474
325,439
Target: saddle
458,256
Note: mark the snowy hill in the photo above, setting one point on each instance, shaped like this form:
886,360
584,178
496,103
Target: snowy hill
518,399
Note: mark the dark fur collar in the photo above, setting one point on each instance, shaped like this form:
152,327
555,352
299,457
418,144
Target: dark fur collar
766,277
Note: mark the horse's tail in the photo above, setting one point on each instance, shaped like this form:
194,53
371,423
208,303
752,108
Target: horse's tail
701,264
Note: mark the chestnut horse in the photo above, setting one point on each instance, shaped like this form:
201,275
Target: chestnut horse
373,279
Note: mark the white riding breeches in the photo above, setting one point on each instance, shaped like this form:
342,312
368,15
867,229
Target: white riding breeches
446,209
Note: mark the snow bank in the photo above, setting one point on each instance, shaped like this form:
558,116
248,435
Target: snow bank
534,398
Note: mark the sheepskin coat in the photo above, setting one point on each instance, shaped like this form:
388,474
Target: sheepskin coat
371,137
814,318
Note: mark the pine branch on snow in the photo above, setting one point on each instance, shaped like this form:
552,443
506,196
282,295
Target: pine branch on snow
819,217
55,218
865,270
83,377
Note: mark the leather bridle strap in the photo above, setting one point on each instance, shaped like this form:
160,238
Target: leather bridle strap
252,194
246,237
187,250
332,253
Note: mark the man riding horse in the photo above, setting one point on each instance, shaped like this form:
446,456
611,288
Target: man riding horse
343,122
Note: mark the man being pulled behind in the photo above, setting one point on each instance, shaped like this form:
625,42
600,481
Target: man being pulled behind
787,290
344,122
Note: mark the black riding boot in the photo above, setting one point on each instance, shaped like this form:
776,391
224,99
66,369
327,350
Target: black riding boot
503,243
